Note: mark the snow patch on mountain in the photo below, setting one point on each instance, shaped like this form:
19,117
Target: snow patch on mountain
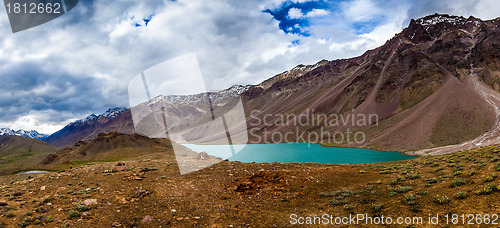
440,18
215,97
110,114
23,133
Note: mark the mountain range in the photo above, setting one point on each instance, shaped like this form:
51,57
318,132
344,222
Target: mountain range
24,133
432,85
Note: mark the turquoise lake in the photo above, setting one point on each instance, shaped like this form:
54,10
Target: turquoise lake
298,152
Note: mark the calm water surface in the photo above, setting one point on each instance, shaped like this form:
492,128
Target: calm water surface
298,152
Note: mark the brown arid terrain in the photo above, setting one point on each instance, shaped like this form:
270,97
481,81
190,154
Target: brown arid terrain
150,192
422,85
18,153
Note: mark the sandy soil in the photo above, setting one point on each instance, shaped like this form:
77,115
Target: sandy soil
152,193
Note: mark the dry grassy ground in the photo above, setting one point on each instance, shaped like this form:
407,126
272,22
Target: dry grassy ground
151,193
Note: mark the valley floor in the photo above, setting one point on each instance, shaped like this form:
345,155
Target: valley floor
151,193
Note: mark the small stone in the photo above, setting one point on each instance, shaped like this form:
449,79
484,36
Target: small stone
49,204
42,210
120,168
140,193
173,210
147,219
17,194
180,218
116,224
42,188
196,217
89,202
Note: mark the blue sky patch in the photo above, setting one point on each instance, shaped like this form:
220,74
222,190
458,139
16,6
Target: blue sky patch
295,25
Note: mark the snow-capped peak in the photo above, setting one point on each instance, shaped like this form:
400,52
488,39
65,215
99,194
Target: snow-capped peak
23,133
114,112
192,99
435,19
110,114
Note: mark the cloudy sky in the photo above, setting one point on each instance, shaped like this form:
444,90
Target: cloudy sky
81,63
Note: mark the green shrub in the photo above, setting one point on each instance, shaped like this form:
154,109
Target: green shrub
459,182
461,195
348,207
341,202
415,176
28,219
491,177
486,190
325,194
80,207
397,180
73,214
402,189
410,199
377,207
424,193
432,180
442,199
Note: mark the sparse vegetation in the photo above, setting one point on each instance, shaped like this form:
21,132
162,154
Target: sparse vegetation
491,177
459,182
402,189
414,187
73,214
377,207
461,195
441,199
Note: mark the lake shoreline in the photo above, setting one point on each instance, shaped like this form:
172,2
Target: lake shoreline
301,152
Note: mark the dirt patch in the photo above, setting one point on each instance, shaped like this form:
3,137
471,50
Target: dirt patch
261,181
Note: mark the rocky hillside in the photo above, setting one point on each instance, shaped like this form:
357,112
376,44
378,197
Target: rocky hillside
117,120
115,146
430,86
18,153
109,146
434,84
